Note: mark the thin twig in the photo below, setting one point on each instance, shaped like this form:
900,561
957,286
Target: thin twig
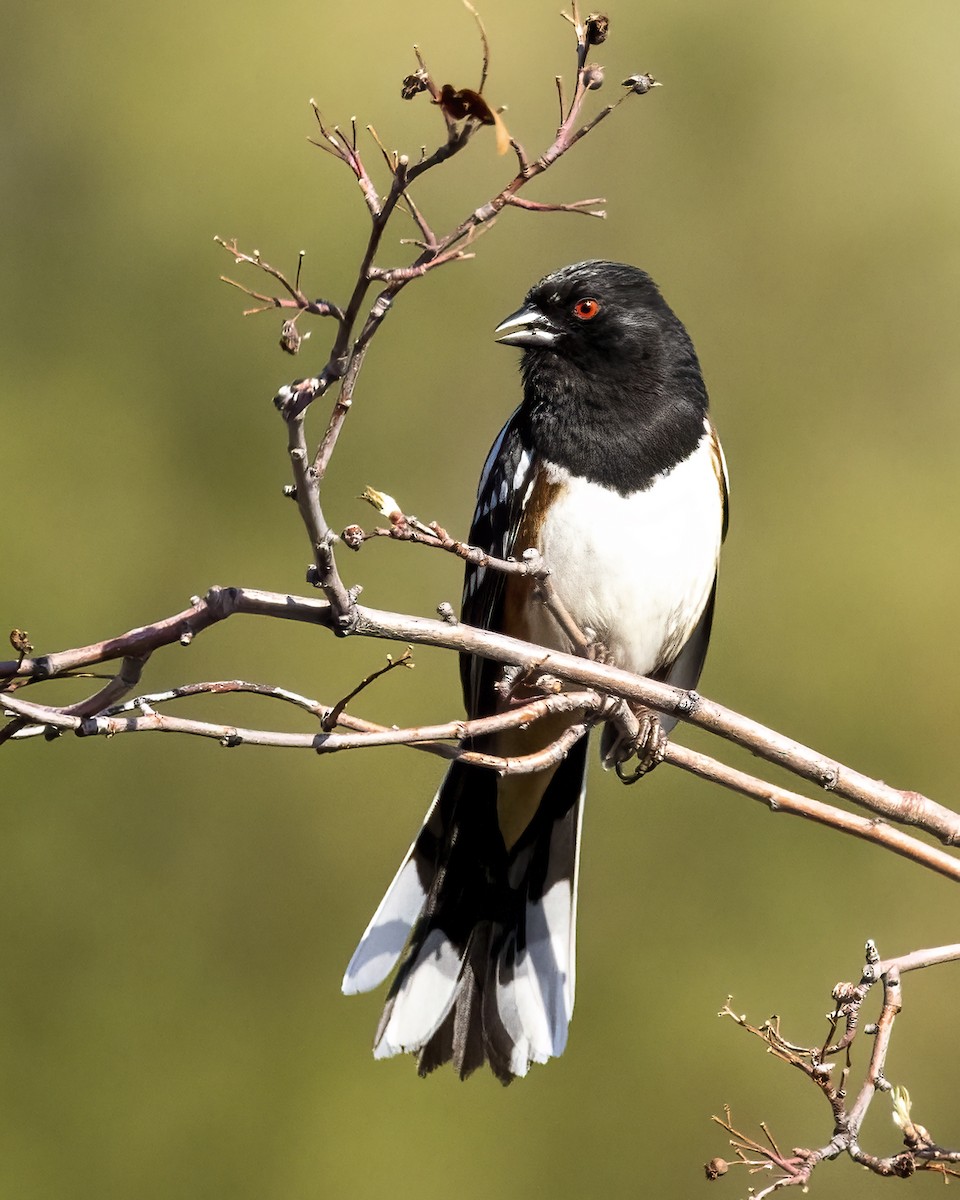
332,719
780,800
367,734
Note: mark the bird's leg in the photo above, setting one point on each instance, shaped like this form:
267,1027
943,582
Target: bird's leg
637,730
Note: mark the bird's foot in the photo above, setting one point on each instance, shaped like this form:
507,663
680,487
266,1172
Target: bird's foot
647,745
597,650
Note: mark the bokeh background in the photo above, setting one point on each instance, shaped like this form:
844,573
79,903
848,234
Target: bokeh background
174,918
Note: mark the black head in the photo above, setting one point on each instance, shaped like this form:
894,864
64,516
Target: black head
606,362
589,311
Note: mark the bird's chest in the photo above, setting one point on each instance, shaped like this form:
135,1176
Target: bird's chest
637,569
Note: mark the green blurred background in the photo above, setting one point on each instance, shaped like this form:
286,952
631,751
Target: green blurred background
174,919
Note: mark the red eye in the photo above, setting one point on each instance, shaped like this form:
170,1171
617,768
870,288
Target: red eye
586,309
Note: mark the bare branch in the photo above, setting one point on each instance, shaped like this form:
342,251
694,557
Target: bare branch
484,44
296,298
124,720
577,206
921,1153
780,800
221,603
332,719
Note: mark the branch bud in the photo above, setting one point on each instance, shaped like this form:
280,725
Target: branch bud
901,1107
385,505
592,77
352,537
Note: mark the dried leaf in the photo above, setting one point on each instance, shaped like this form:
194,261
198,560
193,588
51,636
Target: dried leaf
413,85
503,134
597,26
641,83
459,103
291,338
20,641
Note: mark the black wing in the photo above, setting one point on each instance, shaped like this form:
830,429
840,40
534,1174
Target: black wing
502,494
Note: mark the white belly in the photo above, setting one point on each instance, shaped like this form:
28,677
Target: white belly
637,569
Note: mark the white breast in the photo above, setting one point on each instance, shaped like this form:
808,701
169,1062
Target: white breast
637,569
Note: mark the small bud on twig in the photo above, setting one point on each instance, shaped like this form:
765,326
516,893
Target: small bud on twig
352,537
385,504
593,77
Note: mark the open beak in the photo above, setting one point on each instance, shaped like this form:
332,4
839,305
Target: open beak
527,327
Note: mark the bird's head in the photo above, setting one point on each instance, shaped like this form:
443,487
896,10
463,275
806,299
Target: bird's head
593,314
599,335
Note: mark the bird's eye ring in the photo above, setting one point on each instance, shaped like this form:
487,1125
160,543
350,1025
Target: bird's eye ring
586,309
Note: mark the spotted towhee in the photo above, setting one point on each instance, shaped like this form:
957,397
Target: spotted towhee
612,469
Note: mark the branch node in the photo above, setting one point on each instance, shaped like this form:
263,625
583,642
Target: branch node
688,703
829,777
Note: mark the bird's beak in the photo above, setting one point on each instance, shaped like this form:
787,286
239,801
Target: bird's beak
527,327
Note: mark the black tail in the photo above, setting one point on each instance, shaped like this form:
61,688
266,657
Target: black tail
488,974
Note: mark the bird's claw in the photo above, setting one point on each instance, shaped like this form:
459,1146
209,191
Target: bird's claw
597,650
648,746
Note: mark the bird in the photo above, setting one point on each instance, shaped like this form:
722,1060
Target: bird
611,468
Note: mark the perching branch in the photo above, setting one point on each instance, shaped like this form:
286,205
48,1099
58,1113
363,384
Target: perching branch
607,680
